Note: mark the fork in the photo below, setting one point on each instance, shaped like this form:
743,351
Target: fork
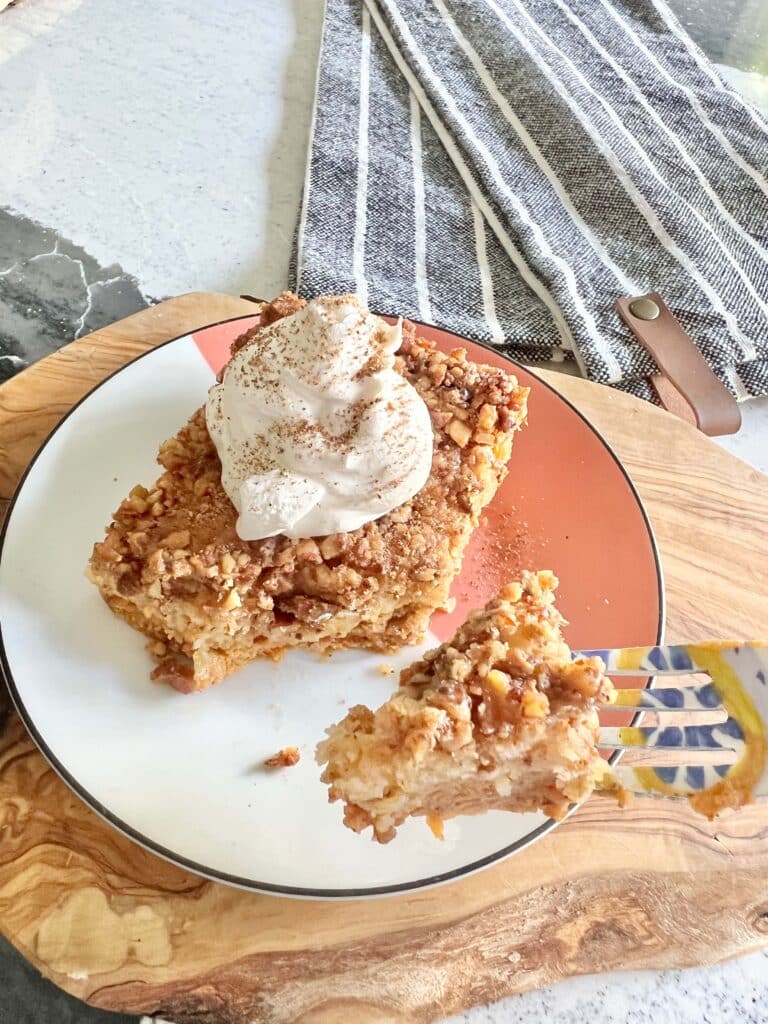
723,763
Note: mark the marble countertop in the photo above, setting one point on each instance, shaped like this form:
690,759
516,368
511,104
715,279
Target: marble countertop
105,109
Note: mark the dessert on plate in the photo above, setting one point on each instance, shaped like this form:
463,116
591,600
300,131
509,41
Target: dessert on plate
322,498
499,717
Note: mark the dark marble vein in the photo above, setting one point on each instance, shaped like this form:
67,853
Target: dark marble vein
52,291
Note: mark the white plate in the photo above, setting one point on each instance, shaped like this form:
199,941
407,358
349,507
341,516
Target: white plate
183,775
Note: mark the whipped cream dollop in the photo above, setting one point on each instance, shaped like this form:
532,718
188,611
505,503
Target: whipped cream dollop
316,430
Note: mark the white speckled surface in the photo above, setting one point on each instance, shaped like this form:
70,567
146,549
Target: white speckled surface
183,160
164,155
734,994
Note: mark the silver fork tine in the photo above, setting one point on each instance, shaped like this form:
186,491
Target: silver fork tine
737,688
689,739
666,699
668,660
679,785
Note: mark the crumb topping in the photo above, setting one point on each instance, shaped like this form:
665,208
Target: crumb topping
508,662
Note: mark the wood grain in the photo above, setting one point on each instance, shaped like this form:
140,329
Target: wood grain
653,886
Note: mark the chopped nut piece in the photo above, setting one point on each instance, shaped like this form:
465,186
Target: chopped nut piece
228,564
498,682
386,670
232,600
308,551
534,704
156,562
332,546
501,450
437,372
484,438
459,432
482,467
580,677
486,418
138,543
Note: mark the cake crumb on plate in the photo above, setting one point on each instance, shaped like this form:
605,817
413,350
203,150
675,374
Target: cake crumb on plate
285,758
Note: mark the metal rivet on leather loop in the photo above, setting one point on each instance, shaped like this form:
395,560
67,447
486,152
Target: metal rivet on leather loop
644,309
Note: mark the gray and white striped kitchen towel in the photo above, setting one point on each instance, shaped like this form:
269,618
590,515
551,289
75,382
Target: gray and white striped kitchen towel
507,168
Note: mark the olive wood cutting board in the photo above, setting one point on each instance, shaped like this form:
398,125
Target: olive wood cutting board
650,886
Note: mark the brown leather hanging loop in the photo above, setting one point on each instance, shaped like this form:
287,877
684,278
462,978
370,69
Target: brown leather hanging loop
686,385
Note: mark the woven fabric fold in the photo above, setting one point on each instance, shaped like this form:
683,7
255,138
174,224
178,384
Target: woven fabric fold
506,169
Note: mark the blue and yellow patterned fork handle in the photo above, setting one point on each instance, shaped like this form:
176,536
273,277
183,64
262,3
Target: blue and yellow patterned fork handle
739,681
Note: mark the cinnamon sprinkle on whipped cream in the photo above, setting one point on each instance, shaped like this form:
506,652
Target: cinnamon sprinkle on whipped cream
316,430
